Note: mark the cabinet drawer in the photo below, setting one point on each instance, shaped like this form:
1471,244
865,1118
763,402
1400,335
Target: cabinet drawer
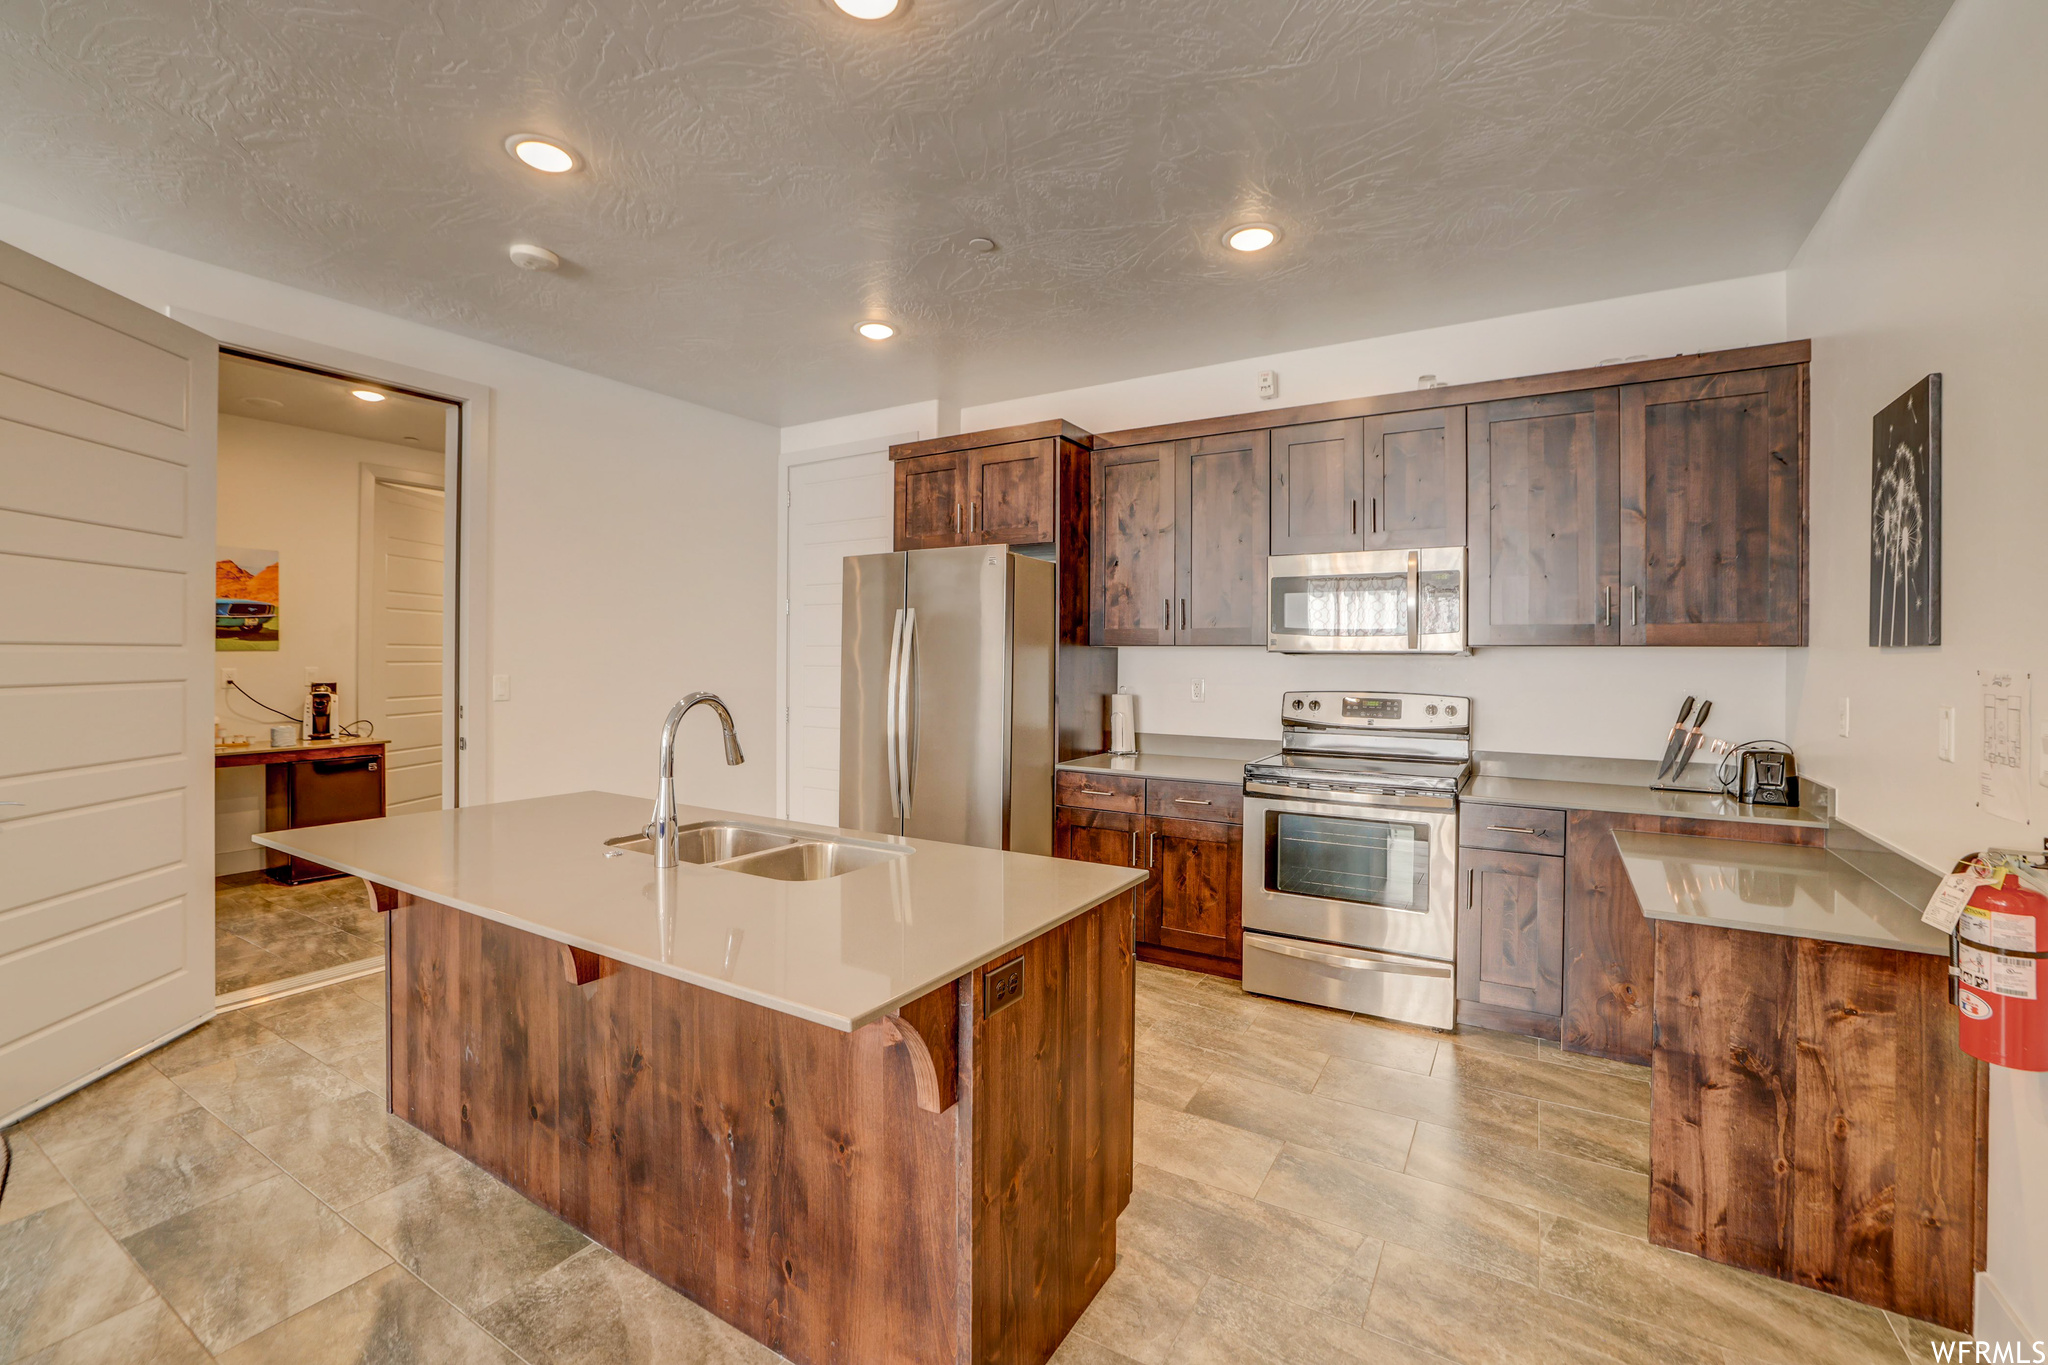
1511,829
1195,800
1100,791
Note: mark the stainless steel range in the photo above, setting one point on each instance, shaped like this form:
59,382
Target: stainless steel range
1351,854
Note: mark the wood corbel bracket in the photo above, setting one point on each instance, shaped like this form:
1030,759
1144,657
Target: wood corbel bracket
581,967
928,1028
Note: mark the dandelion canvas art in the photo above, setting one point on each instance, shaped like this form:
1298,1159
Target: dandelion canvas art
1905,518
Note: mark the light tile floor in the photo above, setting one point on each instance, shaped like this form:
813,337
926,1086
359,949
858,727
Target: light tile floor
1311,1188
265,932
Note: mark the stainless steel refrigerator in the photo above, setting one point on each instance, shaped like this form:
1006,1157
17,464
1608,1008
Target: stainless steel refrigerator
946,712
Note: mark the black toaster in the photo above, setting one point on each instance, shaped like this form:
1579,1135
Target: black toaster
1768,777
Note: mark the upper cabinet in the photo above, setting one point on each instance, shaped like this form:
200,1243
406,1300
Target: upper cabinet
1389,482
1713,510
1179,542
1545,525
1660,502
1131,547
1023,486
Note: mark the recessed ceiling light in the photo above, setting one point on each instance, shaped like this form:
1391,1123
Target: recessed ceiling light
1251,237
876,331
981,245
868,9
527,256
368,395
541,154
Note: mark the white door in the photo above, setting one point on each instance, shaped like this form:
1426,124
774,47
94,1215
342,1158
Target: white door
836,508
401,655
106,679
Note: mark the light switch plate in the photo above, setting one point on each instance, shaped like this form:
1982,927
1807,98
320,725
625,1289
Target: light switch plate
501,687
1842,718
1945,733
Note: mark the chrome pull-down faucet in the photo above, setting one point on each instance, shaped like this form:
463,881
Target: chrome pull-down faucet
661,831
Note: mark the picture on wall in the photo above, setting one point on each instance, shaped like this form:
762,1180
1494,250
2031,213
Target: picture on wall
245,599
1905,518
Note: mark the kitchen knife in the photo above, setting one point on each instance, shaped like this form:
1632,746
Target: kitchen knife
1692,739
1677,740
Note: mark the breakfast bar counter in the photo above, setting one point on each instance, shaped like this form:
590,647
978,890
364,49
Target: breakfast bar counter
882,1115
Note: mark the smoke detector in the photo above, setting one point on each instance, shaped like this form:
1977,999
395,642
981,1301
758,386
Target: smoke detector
527,256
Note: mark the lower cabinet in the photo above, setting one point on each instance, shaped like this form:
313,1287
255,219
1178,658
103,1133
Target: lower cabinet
1190,910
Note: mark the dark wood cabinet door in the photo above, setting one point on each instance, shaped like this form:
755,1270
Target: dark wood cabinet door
1112,838
931,501
1544,520
1713,510
1415,479
1198,886
1011,493
1221,534
1319,488
1132,570
1511,931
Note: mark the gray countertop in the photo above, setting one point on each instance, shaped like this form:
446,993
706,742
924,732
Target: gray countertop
842,951
1626,799
1181,758
1770,889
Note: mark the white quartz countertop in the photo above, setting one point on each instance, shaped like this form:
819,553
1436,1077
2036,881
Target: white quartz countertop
1769,889
842,951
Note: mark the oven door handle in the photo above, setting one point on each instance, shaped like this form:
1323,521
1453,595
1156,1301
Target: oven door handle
1349,963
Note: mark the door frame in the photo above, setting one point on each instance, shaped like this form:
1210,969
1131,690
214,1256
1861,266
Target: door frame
466,470
790,460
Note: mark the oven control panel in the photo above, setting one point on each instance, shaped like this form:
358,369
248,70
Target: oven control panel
1376,710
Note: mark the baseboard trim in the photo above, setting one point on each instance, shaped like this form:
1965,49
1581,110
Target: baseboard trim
297,985
1995,1319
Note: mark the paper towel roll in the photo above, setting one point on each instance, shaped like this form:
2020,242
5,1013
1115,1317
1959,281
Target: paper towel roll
1123,723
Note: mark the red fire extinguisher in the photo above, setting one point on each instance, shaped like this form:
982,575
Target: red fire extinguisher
1999,949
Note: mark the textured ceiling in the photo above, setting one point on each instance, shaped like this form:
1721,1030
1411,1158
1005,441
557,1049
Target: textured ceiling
321,402
763,172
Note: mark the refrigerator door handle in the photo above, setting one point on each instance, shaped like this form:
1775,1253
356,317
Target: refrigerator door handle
889,711
906,722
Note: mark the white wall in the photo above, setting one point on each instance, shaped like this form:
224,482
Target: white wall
298,492
1930,259
1605,702
632,553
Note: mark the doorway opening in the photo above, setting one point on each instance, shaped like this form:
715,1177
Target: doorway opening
335,630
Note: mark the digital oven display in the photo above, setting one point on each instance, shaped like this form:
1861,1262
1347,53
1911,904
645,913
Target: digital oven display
1372,708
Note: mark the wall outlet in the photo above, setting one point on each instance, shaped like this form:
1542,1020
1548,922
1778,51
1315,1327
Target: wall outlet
501,687
1002,986
1198,690
1842,718
1269,384
227,678
1945,733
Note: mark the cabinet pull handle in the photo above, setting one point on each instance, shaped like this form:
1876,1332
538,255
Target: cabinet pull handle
1152,849
973,514
1190,801
1511,829
956,518
1471,887
1183,613
1635,602
1090,791
1134,850
1166,605
1354,516
1375,516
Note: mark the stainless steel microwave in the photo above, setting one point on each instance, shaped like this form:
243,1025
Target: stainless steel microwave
1369,601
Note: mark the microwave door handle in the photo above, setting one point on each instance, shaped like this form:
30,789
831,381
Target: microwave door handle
889,694
1414,600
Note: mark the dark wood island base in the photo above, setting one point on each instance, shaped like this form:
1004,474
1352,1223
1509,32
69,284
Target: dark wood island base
941,1185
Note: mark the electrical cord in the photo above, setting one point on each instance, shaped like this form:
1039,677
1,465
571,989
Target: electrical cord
264,704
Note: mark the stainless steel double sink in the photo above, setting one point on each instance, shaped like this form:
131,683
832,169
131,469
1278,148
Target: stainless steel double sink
761,852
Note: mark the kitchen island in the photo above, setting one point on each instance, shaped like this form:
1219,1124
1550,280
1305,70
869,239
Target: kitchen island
883,1115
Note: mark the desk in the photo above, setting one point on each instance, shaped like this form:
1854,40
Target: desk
318,782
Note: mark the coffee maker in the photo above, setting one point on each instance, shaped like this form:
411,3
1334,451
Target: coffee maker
320,709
